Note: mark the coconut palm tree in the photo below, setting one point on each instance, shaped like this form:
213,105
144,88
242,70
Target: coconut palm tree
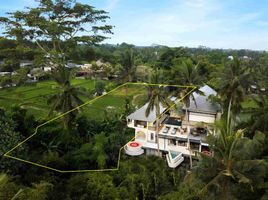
14,193
127,73
233,161
68,96
231,86
128,67
259,115
157,97
98,150
185,73
51,147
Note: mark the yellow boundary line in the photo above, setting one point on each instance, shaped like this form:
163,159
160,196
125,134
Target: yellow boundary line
78,107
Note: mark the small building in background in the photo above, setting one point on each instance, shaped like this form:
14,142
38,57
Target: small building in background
47,69
230,57
26,63
5,73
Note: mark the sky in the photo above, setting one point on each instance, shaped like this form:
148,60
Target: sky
235,24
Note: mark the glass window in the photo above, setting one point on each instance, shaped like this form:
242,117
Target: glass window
172,142
194,146
181,143
152,136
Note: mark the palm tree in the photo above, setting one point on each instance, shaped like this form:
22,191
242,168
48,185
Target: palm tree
231,86
68,96
229,163
14,192
127,62
186,73
259,115
39,190
51,147
98,151
157,97
128,69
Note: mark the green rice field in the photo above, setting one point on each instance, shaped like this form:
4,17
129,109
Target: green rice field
34,97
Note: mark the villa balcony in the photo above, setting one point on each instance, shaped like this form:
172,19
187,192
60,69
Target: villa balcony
140,124
170,131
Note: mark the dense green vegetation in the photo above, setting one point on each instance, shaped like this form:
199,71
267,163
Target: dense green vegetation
90,138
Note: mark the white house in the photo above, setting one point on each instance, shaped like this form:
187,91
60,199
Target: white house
26,63
5,73
179,135
47,69
86,66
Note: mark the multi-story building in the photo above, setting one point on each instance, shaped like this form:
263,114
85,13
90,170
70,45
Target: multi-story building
178,133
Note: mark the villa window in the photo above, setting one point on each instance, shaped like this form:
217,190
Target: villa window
140,124
194,146
152,136
172,142
182,143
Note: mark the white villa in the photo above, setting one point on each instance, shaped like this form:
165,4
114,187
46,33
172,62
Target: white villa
179,135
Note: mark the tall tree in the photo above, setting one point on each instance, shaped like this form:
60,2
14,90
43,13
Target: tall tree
157,98
9,138
127,62
38,191
186,73
259,115
230,167
57,27
67,98
127,73
231,85
8,189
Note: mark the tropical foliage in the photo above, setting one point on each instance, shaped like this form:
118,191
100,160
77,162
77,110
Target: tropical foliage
57,31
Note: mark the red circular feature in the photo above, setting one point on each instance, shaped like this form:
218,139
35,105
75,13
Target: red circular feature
134,144
207,153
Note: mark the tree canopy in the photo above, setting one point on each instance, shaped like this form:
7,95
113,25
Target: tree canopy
57,26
